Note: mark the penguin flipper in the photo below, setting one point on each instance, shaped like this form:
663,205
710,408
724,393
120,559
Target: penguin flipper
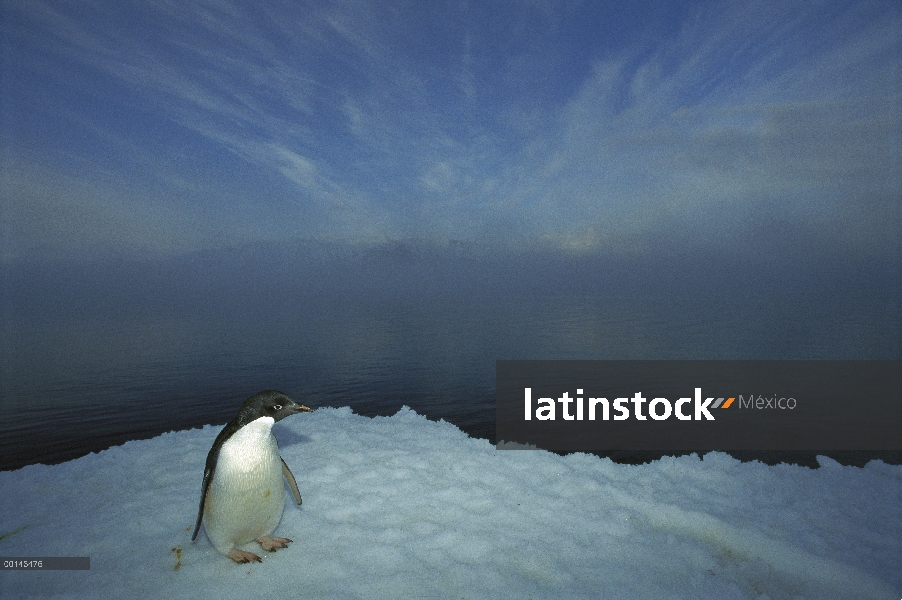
291,483
208,477
210,466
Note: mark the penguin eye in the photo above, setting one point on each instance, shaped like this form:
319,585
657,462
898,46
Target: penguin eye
278,407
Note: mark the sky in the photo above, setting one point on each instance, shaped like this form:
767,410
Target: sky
155,128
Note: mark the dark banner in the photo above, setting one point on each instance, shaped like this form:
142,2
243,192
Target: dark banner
46,563
597,406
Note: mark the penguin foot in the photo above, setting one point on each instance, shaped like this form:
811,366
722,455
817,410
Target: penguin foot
240,556
272,544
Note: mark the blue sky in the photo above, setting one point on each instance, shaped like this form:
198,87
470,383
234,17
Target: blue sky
157,127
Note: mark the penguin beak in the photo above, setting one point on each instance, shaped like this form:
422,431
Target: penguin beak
299,408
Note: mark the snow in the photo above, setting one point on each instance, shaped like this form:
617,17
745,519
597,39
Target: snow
404,507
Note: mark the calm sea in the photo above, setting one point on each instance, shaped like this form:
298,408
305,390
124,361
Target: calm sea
119,355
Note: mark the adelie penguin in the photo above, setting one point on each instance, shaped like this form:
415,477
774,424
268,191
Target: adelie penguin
242,495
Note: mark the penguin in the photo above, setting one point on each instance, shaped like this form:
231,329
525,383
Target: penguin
242,494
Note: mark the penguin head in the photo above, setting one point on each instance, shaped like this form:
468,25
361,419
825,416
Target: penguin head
269,403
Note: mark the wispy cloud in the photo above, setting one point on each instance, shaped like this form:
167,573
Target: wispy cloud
371,121
722,116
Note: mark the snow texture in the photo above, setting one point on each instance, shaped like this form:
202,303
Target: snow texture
404,507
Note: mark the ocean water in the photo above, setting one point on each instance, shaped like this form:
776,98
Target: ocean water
93,360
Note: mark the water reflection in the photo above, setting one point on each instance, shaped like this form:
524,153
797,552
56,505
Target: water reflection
72,384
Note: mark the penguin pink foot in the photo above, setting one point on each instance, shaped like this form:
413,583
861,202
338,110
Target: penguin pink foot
240,556
272,544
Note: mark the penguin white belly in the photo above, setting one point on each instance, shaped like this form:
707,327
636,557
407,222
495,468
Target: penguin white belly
246,497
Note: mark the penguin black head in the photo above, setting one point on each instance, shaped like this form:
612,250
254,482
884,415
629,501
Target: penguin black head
269,403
